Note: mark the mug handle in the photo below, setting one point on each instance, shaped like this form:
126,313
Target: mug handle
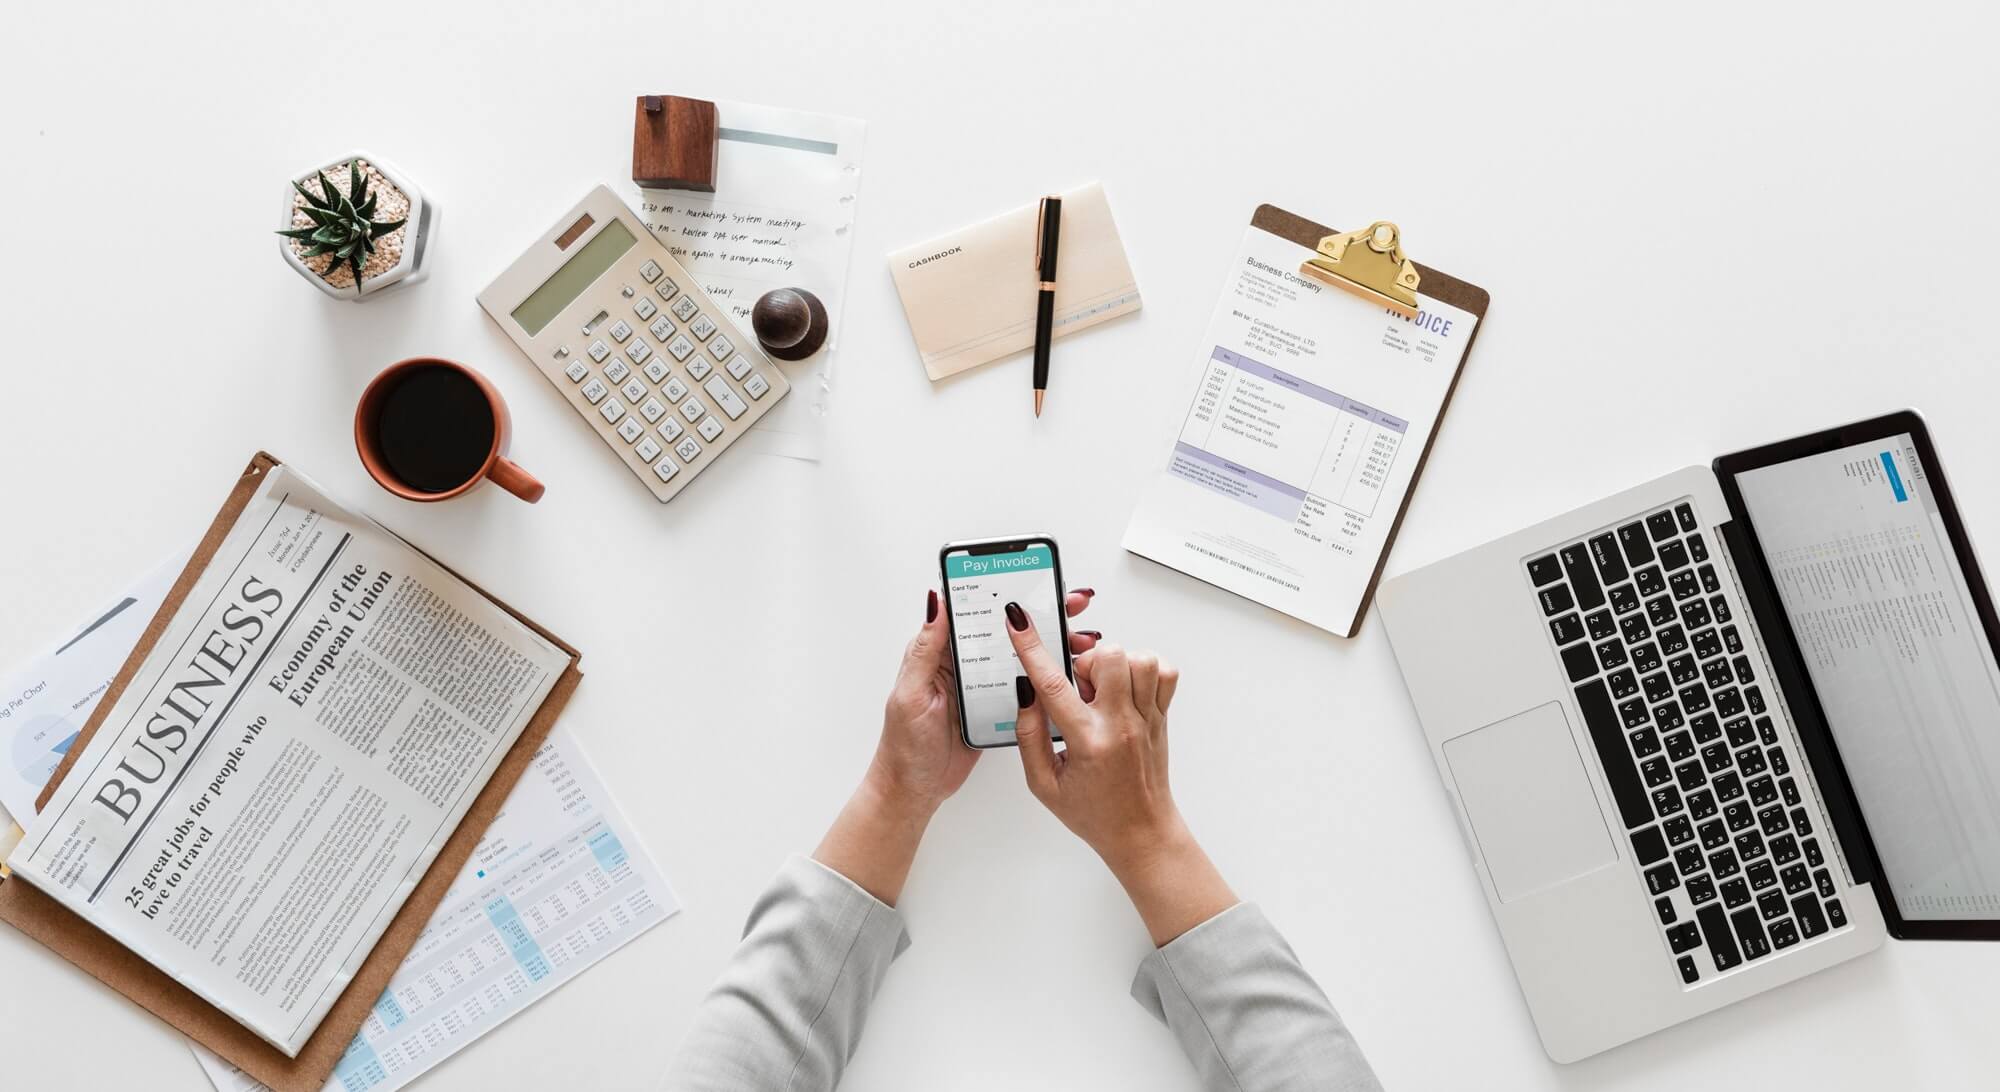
508,475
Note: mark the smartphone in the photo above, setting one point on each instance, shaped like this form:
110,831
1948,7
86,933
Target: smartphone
980,579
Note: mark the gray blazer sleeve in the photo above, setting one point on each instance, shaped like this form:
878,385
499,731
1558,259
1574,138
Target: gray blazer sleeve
788,1009
1246,1012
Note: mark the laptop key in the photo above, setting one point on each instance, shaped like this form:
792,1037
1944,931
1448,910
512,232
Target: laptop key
1582,576
1609,738
1682,584
1714,835
1567,628
1667,799
1779,764
1735,893
1791,793
1716,755
1646,657
1683,937
1611,654
1715,933
1673,556
1743,672
1660,610
1645,742
1728,703
1812,921
1545,570
1694,615
1784,934
1649,581
1762,791
1796,879
1658,688
1772,819
1772,904
1785,849
1623,599
1664,907
1740,732
1556,600
1634,628
1767,731
1649,845
1732,640
1601,625
1633,712
1685,515
1677,830
1688,860
1750,846
1672,640
1697,549
1624,684
1715,672
1683,670
1719,605
1722,862
1680,747
1755,698
1689,776
1578,661
1760,874
1814,857
1700,889
1701,804
1737,815
1667,716
1661,878
1801,822
1638,549
1610,564
1728,785
1706,729
1694,697
1750,933
1689,974
1835,916
1660,525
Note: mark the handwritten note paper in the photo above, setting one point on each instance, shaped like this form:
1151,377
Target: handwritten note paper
781,216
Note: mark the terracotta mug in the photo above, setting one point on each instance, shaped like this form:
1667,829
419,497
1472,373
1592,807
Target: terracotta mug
429,429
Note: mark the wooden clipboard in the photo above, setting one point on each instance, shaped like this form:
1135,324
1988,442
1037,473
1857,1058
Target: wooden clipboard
1437,285
49,922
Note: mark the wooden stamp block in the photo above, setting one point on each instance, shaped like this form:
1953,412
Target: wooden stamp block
673,143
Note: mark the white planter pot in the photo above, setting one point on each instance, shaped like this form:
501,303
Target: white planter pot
409,268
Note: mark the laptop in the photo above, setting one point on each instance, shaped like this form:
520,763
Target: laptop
1720,731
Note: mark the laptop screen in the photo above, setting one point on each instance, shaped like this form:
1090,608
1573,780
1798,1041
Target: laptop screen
1866,572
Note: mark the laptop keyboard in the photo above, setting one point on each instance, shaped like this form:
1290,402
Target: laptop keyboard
1651,643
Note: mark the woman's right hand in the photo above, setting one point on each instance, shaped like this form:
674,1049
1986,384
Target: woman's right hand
1110,786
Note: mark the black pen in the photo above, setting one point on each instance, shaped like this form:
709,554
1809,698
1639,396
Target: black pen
1048,225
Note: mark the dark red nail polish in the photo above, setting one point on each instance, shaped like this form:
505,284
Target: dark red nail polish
1090,633
1017,617
1024,691
930,609
1087,593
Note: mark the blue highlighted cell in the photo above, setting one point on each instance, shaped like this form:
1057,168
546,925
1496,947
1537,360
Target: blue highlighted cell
389,1011
1895,479
608,850
1006,726
359,1067
520,943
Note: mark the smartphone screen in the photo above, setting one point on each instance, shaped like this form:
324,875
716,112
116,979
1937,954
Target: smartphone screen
980,579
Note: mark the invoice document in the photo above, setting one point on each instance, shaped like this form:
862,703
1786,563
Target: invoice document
1309,411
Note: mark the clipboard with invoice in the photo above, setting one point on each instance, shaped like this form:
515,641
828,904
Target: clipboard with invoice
1311,416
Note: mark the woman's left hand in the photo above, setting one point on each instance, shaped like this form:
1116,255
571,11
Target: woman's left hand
921,760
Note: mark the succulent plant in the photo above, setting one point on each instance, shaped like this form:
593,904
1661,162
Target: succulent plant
342,225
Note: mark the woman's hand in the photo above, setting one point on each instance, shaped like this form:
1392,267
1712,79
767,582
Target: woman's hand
919,760
1110,786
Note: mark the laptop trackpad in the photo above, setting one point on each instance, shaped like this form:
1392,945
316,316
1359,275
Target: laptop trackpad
1534,815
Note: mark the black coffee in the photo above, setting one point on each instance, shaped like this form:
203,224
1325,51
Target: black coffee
435,429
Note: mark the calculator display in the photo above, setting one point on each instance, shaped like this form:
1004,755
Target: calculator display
599,254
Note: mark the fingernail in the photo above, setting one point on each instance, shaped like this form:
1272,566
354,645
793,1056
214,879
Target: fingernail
1085,592
930,609
1090,633
1024,691
1017,617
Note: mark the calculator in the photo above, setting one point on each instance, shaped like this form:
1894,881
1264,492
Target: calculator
634,343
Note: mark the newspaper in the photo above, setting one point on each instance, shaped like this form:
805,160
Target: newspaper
281,771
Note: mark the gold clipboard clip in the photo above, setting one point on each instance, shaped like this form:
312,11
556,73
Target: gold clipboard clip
1369,263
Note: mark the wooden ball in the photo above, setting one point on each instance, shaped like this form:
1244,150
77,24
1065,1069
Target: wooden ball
790,323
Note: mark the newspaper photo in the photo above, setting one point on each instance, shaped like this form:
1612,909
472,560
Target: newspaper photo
306,733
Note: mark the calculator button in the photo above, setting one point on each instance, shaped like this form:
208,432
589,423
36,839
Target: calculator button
739,366
684,308
755,387
638,350
612,409
562,352
724,397
693,410
594,391
651,410
699,368
656,370
670,429
666,468
701,327
633,390
630,429
620,331
616,371
599,350
648,449
626,291
666,288
675,390
645,308
576,371
709,428
721,347
662,328
680,347
650,271
687,449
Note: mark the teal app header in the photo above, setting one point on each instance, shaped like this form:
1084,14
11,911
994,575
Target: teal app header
1028,560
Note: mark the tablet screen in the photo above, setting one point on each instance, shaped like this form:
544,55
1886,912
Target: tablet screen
1868,575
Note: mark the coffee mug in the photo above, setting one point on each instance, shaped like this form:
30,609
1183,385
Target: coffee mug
430,429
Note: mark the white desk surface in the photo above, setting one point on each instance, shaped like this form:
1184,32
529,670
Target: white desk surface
1733,225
